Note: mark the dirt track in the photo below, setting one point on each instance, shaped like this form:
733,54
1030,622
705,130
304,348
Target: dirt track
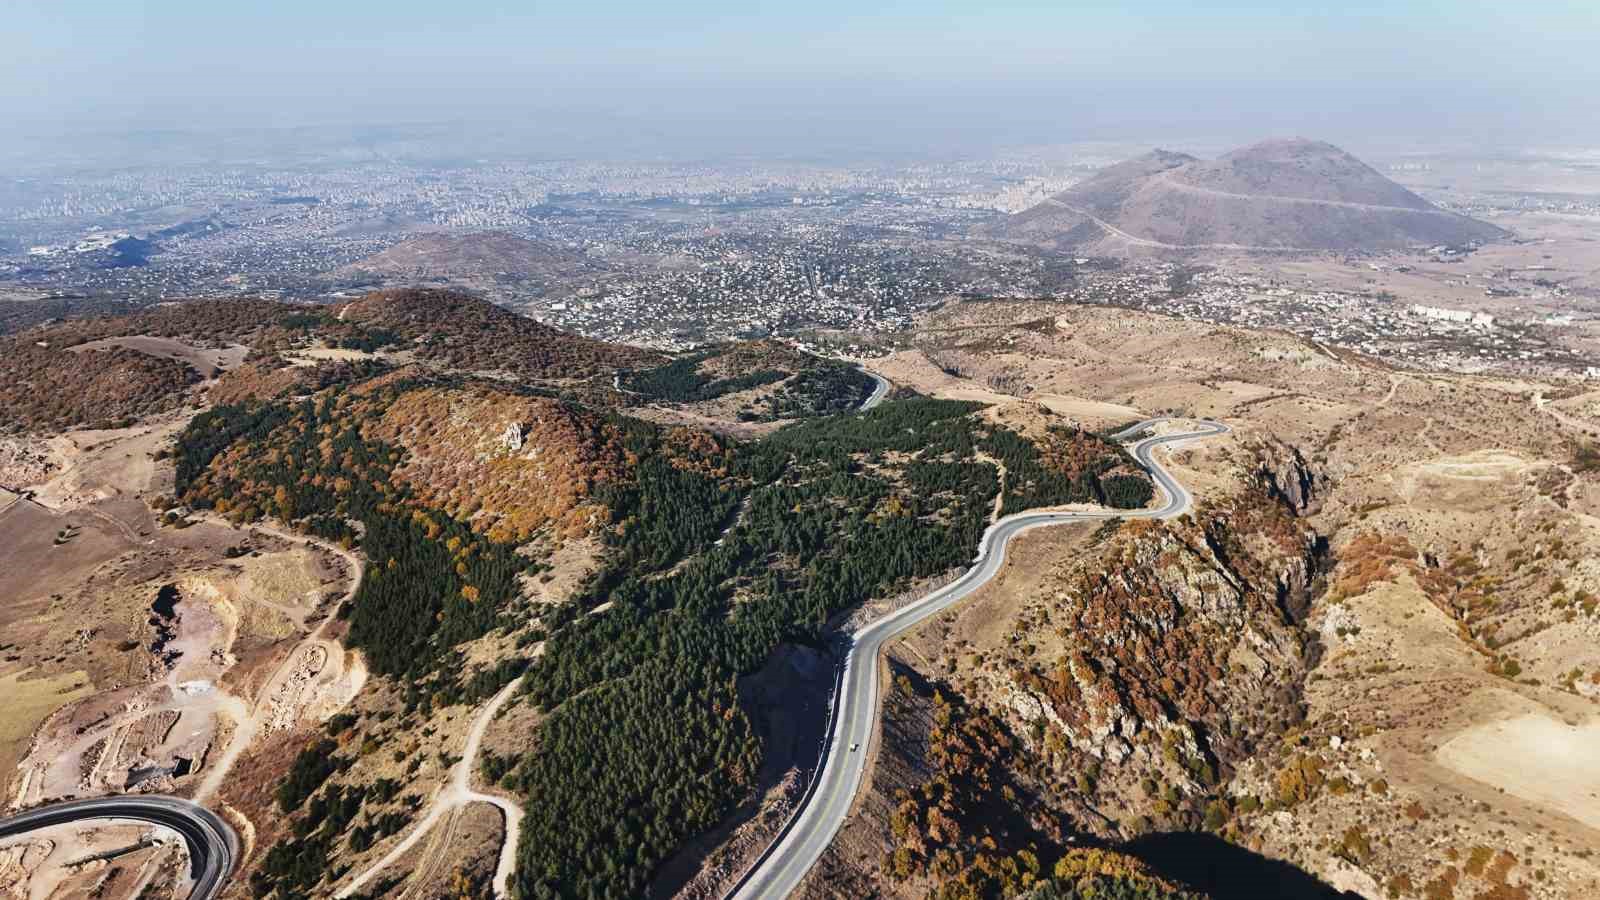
457,793
316,664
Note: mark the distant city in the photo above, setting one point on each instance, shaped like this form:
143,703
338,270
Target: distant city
677,255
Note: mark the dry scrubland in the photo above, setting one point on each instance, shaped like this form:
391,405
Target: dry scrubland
1549,248
1371,651
125,672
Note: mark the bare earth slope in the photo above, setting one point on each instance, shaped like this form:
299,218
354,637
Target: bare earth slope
1292,194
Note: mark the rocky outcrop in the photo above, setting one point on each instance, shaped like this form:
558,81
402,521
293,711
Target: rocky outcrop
1283,474
1184,654
512,480
26,462
511,438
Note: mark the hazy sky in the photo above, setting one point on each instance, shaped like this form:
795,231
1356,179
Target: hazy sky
752,76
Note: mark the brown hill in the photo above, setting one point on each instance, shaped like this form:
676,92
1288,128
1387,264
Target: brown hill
112,369
485,253
1290,194
457,460
50,389
201,322
145,362
465,332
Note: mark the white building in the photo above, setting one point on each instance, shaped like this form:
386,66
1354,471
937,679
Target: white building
1478,320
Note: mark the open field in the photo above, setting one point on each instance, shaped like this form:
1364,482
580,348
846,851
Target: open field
29,701
1555,762
208,362
39,556
1552,248
103,465
119,666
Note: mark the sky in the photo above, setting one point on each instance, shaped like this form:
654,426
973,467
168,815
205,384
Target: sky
753,77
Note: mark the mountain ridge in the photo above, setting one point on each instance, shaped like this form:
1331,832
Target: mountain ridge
1280,194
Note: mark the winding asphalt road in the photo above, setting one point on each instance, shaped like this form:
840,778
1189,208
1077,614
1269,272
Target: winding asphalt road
880,390
213,847
855,700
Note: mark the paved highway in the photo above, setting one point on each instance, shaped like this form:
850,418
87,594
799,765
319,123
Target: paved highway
880,390
213,847
854,714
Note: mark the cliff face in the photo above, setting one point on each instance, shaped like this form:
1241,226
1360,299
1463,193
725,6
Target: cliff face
1282,473
957,810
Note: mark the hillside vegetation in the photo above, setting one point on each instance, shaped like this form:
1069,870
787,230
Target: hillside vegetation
769,382
434,582
50,389
47,388
714,552
974,826
834,511
1379,647
270,376
204,322
294,350
457,331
